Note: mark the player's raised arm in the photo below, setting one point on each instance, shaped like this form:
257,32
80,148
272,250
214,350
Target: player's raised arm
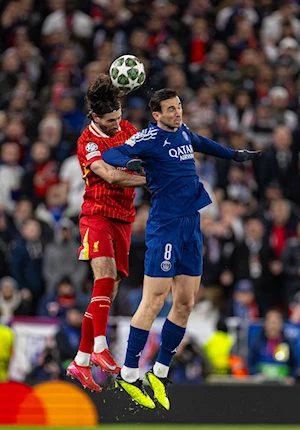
210,147
117,177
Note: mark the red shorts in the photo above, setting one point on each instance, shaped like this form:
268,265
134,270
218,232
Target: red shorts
104,237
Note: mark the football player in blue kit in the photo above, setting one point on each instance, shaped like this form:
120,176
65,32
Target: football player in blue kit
173,236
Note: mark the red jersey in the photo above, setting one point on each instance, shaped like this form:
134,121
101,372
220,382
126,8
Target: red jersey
100,197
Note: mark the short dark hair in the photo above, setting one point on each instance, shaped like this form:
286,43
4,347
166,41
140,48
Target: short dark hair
102,96
159,96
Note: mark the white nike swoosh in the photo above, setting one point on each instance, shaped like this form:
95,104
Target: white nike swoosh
85,377
109,366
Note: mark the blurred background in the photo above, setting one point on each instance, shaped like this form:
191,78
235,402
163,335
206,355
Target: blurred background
236,67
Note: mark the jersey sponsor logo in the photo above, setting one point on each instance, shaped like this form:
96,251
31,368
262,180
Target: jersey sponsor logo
183,152
166,266
91,146
166,142
147,134
93,154
185,135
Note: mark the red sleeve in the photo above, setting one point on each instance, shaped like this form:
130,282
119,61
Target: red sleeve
90,151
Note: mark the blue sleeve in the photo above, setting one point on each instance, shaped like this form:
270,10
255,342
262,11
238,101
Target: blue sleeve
133,147
210,147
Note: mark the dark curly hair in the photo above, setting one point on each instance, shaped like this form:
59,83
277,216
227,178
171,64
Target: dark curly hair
102,96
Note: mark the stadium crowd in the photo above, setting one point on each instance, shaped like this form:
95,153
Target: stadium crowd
236,67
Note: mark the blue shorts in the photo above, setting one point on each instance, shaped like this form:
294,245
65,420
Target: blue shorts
174,247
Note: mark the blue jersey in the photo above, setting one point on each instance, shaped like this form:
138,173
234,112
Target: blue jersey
170,167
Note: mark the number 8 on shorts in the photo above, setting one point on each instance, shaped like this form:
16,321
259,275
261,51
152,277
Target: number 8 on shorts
166,264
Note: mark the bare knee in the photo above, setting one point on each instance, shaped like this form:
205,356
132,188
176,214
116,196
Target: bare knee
153,304
184,308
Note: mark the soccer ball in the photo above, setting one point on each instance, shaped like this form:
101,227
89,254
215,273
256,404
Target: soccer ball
127,72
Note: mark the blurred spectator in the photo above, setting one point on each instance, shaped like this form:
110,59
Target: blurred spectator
41,174
47,369
26,259
244,37
190,364
68,337
13,301
271,354
69,23
243,304
241,112
280,162
10,73
24,211
55,205
111,29
199,42
255,257
279,98
7,342
15,131
55,304
73,118
50,133
261,129
10,175
291,268
272,25
177,80
61,258
70,177
212,259
282,225
218,348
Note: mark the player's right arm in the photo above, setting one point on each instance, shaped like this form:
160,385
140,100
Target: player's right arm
117,177
90,157
123,155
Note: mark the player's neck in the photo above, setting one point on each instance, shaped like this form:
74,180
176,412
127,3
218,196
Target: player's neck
166,127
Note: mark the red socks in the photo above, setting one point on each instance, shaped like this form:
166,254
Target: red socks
87,332
100,305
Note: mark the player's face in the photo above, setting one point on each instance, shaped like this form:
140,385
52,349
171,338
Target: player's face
170,117
109,123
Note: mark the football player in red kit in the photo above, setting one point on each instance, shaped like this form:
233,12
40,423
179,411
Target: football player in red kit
105,223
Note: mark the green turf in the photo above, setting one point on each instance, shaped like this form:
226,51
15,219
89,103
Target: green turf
121,426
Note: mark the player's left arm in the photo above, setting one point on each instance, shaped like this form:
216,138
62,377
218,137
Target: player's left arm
210,147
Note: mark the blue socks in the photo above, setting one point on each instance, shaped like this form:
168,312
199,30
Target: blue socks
136,343
171,336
